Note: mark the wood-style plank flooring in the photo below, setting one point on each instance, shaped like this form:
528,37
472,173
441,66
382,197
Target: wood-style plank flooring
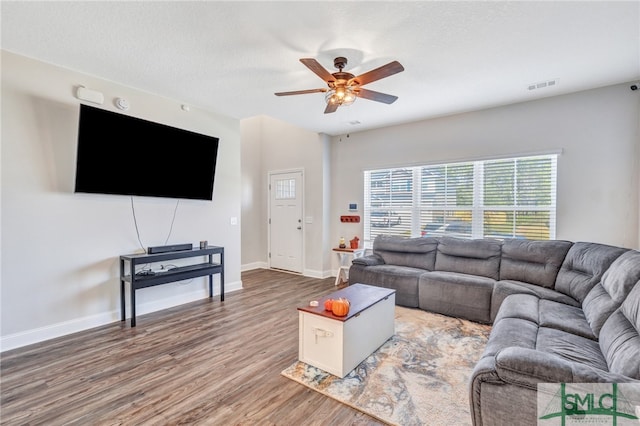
206,363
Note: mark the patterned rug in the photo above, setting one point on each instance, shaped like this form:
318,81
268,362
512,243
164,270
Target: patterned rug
418,377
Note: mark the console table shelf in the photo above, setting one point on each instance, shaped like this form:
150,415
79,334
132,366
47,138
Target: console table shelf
139,280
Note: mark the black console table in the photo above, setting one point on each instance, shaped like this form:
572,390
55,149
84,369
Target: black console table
142,279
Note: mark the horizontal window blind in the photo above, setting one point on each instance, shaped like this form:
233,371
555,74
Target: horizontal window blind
502,198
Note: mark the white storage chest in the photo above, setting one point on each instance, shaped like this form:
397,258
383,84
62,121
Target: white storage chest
338,344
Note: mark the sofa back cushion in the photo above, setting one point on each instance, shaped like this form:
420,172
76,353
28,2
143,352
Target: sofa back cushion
608,295
473,257
534,262
620,337
402,251
583,268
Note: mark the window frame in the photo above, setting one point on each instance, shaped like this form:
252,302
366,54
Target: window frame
412,209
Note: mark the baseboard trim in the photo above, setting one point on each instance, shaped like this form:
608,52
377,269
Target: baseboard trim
311,273
254,265
317,274
37,335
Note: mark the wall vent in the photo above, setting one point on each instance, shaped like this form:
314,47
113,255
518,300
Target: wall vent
542,84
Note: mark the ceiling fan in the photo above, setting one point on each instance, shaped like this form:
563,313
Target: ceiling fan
343,87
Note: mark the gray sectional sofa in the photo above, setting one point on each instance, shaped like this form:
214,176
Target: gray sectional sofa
562,312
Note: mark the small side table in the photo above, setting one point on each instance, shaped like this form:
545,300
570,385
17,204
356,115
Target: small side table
346,255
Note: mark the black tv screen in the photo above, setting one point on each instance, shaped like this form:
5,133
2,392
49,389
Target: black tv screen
120,154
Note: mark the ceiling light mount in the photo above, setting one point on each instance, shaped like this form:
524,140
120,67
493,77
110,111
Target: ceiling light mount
340,62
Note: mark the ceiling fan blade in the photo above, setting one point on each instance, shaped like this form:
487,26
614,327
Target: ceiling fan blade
384,71
300,92
331,108
320,71
376,96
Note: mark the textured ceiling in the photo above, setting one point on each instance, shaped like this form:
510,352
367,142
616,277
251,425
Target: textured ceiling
230,57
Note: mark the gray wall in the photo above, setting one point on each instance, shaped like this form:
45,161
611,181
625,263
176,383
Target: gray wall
271,145
597,132
60,249
598,170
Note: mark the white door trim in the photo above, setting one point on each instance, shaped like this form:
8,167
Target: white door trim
270,174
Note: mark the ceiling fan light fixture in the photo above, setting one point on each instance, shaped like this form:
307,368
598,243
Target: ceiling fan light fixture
344,87
342,96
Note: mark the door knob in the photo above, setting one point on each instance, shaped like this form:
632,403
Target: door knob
299,227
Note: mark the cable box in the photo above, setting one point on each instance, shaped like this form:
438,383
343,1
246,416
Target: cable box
166,249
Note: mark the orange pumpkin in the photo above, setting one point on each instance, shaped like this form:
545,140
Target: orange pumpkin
328,304
340,307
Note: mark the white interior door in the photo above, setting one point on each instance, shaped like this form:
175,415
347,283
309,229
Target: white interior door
285,221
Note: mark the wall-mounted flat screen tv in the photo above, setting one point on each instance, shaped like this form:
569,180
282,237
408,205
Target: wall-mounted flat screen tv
124,155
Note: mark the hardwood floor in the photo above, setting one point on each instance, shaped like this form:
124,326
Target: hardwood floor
206,362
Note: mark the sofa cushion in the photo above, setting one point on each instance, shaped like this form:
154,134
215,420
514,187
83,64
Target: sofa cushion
521,333
472,257
631,308
403,279
502,289
510,332
620,338
583,268
535,262
522,306
456,295
606,296
571,347
570,319
368,260
546,313
402,251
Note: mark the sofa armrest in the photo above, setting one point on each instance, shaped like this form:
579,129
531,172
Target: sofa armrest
584,374
369,260
528,367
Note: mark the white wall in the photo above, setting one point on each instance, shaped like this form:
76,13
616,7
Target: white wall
60,250
271,145
597,130
254,209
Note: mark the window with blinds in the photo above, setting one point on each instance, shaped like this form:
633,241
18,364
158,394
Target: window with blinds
501,198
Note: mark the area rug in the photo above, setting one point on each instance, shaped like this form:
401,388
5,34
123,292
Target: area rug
418,377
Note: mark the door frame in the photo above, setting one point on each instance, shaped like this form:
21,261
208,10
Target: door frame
270,174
